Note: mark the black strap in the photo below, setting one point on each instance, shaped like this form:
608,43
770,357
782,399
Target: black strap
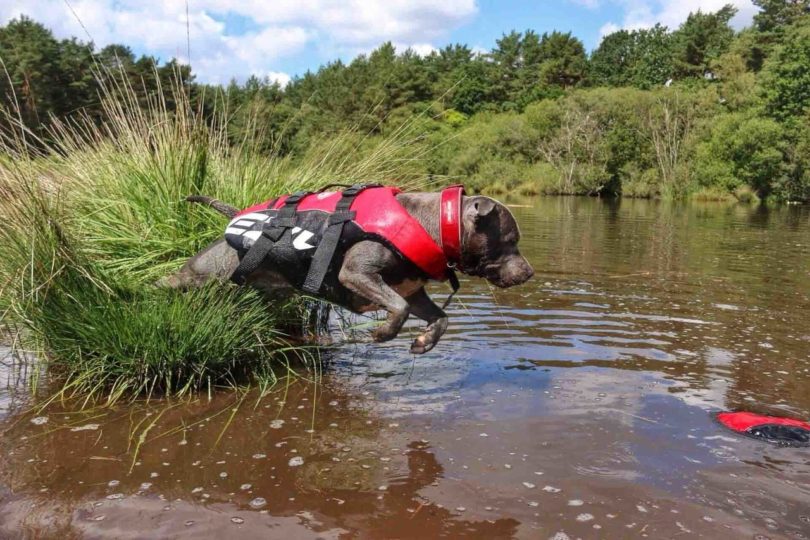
331,238
285,219
329,186
454,283
271,233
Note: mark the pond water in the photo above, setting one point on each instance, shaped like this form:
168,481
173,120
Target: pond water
579,404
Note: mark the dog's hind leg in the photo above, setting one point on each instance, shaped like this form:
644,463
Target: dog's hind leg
423,307
217,261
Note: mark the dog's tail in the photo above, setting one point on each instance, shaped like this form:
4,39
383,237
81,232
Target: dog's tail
219,206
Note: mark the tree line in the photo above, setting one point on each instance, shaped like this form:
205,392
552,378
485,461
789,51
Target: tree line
701,110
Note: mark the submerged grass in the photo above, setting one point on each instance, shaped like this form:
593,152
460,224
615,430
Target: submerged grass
91,219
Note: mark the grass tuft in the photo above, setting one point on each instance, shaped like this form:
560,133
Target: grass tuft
95,215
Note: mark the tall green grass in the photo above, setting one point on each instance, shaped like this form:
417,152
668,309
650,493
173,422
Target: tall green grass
90,219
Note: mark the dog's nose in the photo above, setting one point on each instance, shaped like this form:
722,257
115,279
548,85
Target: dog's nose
516,271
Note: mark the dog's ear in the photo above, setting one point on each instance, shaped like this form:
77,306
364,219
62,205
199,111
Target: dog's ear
484,206
477,208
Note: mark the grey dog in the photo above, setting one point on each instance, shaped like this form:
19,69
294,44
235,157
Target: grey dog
372,277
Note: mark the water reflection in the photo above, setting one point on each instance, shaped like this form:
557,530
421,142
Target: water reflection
304,450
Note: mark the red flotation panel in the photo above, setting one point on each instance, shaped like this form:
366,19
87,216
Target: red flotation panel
785,431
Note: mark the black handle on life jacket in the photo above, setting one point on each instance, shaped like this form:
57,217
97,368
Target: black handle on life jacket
327,186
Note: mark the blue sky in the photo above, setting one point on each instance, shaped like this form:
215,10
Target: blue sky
278,39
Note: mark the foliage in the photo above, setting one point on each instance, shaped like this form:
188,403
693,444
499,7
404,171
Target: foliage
641,58
774,15
786,74
741,151
700,40
535,111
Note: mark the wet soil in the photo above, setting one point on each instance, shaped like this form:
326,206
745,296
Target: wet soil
579,405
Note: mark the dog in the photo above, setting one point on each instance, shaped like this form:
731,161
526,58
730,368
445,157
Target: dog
371,275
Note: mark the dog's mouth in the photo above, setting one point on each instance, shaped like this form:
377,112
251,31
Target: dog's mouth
506,283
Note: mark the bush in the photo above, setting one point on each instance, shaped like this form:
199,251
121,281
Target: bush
741,151
641,183
745,195
795,185
712,194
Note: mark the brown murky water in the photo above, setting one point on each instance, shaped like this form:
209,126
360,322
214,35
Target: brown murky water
579,404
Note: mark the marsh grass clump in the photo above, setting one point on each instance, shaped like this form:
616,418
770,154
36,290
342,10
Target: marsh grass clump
95,215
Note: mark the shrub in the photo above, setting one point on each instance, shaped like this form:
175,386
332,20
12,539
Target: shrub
641,183
741,151
712,194
745,195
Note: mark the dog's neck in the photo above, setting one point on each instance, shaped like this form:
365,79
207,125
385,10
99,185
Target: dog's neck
424,207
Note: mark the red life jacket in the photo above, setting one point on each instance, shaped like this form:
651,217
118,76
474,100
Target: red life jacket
377,214
775,429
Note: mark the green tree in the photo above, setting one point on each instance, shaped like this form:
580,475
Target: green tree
786,74
653,64
774,15
31,57
702,39
564,62
473,88
612,63
505,72
641,58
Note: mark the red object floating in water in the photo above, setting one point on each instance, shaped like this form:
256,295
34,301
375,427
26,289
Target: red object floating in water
783,431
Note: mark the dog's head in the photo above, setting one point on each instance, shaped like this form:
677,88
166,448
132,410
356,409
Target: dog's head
490,243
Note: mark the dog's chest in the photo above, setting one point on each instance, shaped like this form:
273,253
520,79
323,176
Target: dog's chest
408,287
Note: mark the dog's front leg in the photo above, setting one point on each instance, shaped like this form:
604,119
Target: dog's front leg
423,307
360,274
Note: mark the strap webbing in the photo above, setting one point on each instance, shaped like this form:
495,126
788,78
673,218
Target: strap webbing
330,240
454,283
272,233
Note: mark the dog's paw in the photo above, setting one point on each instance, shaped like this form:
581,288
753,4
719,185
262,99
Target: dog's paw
421,345
382,334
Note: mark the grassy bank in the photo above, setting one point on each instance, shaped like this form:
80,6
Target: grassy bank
93,218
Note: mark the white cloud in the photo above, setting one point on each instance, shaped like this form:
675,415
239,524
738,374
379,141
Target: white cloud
275,30
638,14
421,49
607,29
